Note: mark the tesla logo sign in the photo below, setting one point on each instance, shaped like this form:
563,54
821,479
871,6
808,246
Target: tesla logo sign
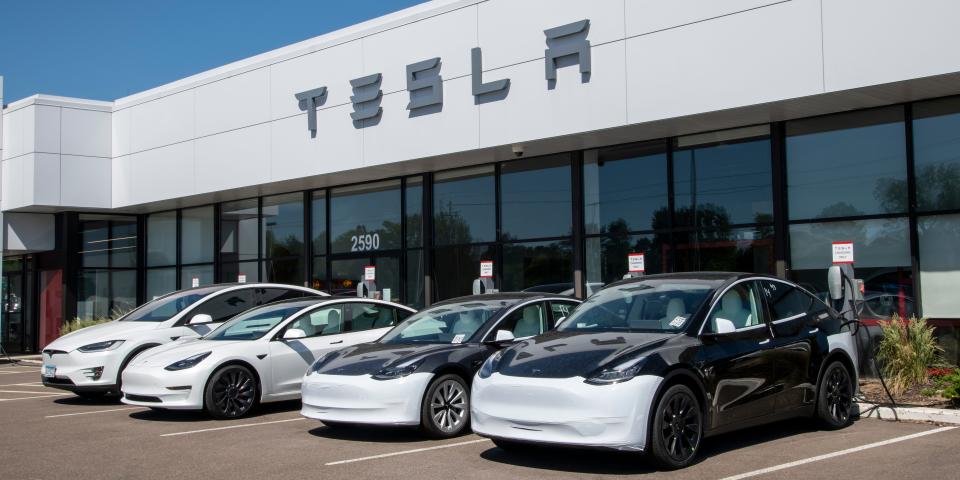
567,45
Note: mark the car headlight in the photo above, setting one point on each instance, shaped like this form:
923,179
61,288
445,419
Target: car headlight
188,362
317,365
101,346
491,365
620,371
398,371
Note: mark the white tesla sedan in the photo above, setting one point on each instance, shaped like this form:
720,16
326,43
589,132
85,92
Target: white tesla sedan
88,362
258,356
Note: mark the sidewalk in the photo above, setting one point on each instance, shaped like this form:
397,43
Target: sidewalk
912,414
23,359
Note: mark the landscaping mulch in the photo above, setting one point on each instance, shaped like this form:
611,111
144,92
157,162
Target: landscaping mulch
872,391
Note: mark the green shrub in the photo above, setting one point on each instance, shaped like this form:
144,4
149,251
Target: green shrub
951,386
906,351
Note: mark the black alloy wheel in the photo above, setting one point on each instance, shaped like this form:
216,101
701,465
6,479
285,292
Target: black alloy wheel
231,392
677,428
835,397
445,410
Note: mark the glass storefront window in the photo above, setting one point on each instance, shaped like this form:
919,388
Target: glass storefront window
538,266
847,165
536,197
106,293
196,235
345,274
625,188
936,143
882,256
415,276
162,239
282,219
365,218
232,272
318,213
606,257
414,212
939,265
725,250
455,268
464,209
160,281
724,184
285,270
319,280
203,274
238,230
108,241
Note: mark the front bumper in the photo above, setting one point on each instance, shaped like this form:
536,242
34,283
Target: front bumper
75,371
158,388
564,411
361,399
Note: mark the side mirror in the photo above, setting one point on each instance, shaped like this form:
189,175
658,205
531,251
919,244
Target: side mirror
294,334
559,321
200,319
724,326
504,336
835,282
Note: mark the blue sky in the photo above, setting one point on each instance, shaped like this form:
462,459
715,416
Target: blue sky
107,49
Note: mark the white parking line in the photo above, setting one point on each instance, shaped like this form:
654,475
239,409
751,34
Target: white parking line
18,391
406,452
95,411
28,384
49,395
818,458
231,426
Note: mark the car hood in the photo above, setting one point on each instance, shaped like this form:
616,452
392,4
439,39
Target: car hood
178,350
571,354
368,358
100,333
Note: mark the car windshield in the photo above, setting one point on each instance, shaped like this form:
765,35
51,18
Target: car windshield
168,306
255,323
448,323
658,306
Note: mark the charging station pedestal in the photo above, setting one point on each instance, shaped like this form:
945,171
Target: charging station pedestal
367,289
483,285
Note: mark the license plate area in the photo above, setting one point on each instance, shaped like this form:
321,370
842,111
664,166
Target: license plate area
49,371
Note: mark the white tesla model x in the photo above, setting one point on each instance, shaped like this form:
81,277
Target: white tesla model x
88,362
258,356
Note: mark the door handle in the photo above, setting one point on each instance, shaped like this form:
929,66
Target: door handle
338,341
764,342
815,330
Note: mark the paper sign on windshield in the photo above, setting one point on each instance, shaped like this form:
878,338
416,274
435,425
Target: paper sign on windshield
458,338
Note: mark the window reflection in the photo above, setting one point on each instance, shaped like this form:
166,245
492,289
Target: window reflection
606,257
463,206
538,266
457,267
414,212
536,198
936,142
726,250
238,230
162,239
847,165
625,188
282,219
196,235
723,184
365,218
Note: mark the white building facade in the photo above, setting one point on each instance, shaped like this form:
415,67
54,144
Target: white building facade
552,138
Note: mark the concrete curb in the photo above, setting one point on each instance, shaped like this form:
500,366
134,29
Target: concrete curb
913,414
23,359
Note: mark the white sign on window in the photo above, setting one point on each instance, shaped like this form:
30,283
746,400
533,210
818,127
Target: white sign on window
195,282
486,269
370,273
242,278
842,252
636,263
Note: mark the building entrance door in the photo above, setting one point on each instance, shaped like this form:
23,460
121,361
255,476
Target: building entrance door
15,331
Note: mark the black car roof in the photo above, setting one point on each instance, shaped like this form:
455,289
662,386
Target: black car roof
516,296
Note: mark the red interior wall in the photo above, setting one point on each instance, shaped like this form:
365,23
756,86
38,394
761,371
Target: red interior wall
51,306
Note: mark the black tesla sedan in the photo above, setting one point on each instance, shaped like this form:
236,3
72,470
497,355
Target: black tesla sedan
656,364
420,372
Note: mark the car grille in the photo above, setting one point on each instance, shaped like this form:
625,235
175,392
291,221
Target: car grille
142,398
51,352
57,381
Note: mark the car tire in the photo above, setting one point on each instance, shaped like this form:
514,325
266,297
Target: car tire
835,397
677,428
445,409
231,392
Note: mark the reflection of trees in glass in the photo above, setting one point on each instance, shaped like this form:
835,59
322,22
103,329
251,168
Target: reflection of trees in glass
450,226
414,230
938,186
839,209
389,237
527,265
289,246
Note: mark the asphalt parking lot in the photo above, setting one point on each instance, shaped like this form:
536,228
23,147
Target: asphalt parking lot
49,434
